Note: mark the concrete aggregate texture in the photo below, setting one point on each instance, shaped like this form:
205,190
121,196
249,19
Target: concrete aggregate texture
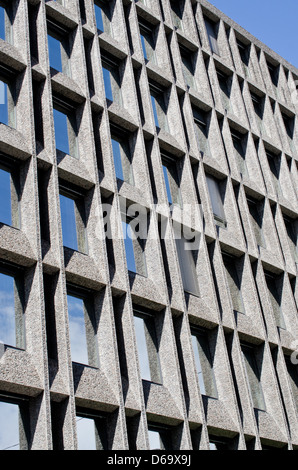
148,229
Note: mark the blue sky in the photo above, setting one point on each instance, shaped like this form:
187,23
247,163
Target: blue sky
274,22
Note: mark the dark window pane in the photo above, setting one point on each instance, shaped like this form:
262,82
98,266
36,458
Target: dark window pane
203,363
159,438
257,221
154,111
111,78
212,36
176,14
187,264
253,377
121,155
107,83
159,109
148,43
147,347
142,348
216,200
234,283
102,16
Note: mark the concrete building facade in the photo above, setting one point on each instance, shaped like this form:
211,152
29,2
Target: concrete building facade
148,229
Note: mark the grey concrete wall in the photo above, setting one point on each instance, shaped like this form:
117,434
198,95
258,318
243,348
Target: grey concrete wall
53,381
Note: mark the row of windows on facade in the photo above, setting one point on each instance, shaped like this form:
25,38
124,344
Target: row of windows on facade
59,55
65,115
82,324
66,141
65,119
81,307
103,17
92,430
58,51
74,221
66,135
92,426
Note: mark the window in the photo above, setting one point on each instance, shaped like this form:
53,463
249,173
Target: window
289,122
111,78
5,22
7,98
91,430
219,443
212,35
122,154
244,55
176,14
147,34
65,127
216,201
293,377
225,89
59,50
159,437
274,162
291,228
169,167
147,346
159,107
274,73
256,213
14,419
240,142
253,376
82,326
187,66
12,324
73,218
234,281
201,120
203,362
9,193
187,252
134,245
258,104
103,16
274,286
